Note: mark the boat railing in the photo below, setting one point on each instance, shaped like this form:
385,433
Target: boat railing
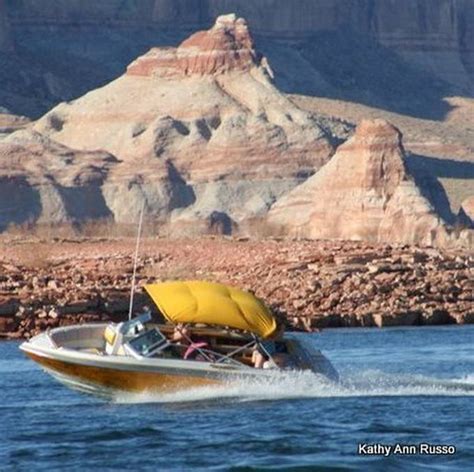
214,358
230,355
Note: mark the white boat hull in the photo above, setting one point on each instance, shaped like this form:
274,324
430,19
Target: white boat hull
105,375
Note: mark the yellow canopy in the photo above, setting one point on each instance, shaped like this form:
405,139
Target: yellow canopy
212,303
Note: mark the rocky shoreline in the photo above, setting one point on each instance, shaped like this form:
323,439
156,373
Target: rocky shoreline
313,284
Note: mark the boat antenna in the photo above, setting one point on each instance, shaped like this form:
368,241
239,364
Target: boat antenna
135,261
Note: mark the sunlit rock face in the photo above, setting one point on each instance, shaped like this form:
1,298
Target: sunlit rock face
364,193
196,131
226,47
200,134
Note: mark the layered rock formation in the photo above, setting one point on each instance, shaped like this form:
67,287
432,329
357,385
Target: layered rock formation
200,137
10,123
42,181
227,47
389,55
199,129
364,192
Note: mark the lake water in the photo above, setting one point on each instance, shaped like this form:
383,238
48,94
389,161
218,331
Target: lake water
400,385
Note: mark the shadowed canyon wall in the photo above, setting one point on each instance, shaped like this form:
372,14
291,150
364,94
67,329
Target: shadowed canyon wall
313,40
5,39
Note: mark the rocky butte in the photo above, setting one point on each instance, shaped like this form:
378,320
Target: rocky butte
364,193
201,137
227,47
199,130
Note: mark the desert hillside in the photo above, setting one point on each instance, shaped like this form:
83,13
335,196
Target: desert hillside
200,137
440,152
211,145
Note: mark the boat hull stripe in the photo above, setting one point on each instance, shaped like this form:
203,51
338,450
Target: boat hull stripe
129,381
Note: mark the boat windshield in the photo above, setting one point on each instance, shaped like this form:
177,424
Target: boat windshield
148,342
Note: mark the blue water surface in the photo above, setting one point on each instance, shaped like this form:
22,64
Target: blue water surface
399,385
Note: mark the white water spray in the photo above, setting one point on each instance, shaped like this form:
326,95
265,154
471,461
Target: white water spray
306,385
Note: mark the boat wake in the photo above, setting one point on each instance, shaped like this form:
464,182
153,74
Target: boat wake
300,385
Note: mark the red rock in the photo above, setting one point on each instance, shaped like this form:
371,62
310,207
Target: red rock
274,270
364,193
41,314
199,132
464,318
52,284
227,46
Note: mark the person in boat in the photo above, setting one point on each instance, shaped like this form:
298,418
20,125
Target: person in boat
181,334
273,349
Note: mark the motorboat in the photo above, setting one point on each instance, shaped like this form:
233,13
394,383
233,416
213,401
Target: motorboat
220,328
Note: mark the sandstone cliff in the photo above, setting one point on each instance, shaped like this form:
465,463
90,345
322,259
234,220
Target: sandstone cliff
44,182
364,193
201,137
199,130
404,56
434,34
